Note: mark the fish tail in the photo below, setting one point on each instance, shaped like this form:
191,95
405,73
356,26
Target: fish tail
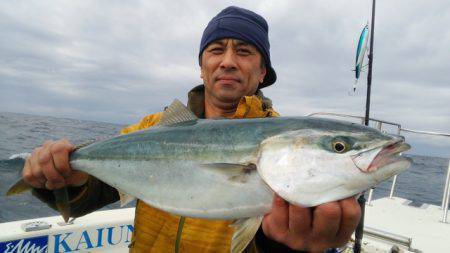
62,202
61,197
18,188
15,163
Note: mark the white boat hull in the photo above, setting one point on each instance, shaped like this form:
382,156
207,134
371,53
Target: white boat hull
107,231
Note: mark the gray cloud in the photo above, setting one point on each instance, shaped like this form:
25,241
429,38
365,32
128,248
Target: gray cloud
117,61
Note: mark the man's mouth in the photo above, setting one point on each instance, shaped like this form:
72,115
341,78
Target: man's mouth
228,80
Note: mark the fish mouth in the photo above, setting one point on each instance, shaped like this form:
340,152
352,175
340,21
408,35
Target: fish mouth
376,158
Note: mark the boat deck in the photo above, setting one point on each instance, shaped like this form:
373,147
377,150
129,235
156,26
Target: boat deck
402,220
388,222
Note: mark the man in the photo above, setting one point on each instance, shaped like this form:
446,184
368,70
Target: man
235,64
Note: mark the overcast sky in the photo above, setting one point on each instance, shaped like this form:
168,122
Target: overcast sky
117,61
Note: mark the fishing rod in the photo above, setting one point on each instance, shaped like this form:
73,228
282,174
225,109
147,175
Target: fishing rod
362,200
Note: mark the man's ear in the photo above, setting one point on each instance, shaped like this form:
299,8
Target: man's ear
262,75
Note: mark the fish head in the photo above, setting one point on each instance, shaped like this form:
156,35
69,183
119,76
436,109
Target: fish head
309,167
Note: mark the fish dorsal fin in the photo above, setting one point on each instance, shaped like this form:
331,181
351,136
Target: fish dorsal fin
245,230
177,112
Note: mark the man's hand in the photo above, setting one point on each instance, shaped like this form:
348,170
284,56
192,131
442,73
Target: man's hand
312,229
48,167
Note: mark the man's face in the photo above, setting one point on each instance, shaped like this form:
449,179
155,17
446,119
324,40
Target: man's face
231,69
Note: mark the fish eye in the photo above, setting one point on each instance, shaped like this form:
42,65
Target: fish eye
339,146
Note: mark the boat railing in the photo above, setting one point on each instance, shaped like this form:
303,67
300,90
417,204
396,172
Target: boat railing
379,125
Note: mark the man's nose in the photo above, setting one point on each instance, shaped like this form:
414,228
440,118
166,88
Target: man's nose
229,60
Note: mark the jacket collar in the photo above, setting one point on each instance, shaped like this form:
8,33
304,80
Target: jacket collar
249,106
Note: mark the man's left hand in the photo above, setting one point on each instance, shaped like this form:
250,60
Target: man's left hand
312,229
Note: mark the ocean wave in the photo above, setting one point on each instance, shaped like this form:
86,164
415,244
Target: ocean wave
20,155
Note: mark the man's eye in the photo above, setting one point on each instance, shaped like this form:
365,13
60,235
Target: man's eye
243,51
216,50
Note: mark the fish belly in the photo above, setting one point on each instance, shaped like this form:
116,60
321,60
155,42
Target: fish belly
183,187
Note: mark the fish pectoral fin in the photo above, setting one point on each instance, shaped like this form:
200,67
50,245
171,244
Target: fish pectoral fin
18,188
234,172
124,198
245,231
177,112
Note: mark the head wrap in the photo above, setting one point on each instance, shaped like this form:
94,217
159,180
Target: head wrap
238,23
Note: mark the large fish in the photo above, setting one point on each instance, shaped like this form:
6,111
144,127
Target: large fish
230,169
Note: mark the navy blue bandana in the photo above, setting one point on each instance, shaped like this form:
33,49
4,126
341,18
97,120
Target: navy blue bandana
238,23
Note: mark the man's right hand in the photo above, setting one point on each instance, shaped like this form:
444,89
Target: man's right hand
48,167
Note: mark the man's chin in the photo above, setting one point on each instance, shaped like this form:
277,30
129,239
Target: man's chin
229,95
